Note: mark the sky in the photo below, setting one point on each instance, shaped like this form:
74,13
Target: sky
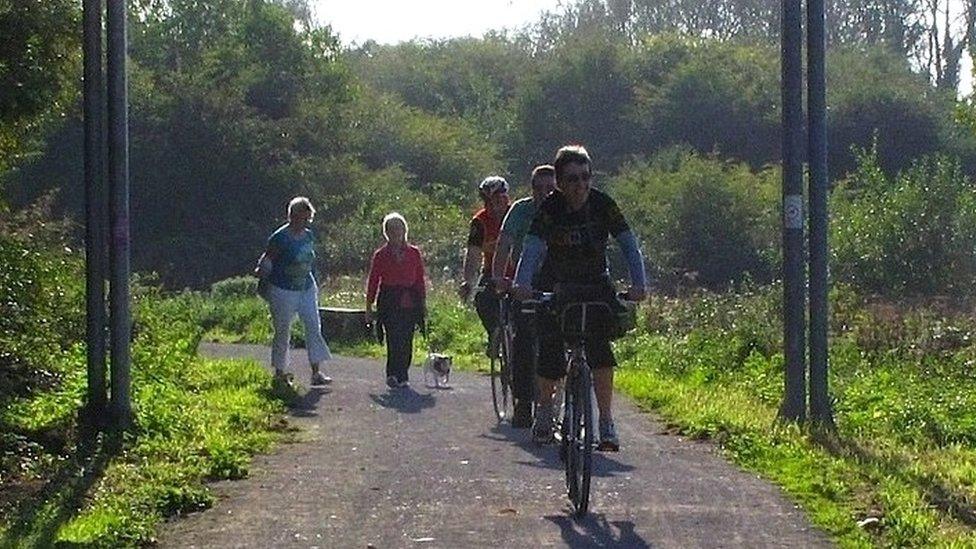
391,21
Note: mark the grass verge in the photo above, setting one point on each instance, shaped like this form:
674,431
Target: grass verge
896,471
196,420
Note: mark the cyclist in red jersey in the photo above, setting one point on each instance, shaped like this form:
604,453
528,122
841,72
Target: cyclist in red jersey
482,240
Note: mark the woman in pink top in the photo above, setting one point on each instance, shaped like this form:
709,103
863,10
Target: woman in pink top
398,286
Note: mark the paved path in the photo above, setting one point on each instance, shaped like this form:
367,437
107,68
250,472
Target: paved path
432,469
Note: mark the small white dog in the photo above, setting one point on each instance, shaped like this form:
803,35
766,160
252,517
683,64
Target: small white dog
437,370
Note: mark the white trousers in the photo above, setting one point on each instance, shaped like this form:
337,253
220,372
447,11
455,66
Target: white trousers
284,305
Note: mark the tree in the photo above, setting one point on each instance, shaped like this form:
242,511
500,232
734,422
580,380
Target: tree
876,100
714,96
39,53
580,93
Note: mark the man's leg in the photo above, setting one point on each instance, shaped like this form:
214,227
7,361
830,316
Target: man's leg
551,368
603,384
603,362
486,304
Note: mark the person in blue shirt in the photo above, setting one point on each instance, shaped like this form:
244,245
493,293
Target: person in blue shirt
288,263
514,228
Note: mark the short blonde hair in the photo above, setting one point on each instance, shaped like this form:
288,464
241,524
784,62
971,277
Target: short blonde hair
395,216
303,203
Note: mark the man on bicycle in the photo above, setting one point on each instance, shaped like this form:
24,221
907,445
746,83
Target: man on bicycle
482,240
514,228
569,238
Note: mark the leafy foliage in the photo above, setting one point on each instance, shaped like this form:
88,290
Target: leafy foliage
711,363
196,420
701,218
908,235
39,52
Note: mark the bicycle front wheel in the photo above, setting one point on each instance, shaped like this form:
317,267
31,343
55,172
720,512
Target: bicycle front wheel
578,439
500,378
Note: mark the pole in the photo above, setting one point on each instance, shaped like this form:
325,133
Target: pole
817,151
794,400
118,160
94,212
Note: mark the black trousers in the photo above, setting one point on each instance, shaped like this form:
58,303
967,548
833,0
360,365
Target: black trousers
523,349
399,343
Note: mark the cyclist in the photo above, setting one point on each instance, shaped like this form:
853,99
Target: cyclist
569,238
514,228
482,239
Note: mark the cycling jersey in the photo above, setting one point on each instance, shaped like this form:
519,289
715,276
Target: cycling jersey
577,240
483,233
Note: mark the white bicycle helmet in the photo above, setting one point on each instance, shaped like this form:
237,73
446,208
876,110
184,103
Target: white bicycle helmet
492,184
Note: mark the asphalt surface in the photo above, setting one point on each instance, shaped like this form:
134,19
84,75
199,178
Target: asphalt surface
432,468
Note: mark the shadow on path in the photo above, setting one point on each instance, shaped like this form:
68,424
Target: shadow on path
405,400
547,455
304,405
594,531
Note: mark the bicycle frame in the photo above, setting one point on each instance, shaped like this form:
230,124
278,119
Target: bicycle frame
577,425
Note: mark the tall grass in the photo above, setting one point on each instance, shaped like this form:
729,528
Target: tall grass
196,420
903,449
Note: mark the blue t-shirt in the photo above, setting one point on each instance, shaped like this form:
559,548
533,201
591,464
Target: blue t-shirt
294,259
517,222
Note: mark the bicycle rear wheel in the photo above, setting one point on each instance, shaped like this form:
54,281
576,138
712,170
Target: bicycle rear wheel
578,439
501,377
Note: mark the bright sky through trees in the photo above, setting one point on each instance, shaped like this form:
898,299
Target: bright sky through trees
391,21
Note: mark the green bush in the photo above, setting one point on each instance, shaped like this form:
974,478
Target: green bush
238,286
714,220
41,299
909,235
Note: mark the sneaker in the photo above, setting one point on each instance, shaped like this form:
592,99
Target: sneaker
523,414
608,437
542,428
392,382
318,378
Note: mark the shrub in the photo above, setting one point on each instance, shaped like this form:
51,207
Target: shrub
700,215
913,234
238,286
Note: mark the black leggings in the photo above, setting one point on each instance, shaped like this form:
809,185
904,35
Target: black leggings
399,344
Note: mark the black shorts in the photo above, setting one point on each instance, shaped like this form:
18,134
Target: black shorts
487,303
552,358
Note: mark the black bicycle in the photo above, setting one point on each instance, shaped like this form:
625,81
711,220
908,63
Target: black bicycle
501,361
577,313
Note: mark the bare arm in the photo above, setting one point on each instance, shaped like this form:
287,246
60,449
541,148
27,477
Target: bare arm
261,269
502,252
472,262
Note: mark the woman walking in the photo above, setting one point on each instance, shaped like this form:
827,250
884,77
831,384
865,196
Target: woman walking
289,264
398,286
